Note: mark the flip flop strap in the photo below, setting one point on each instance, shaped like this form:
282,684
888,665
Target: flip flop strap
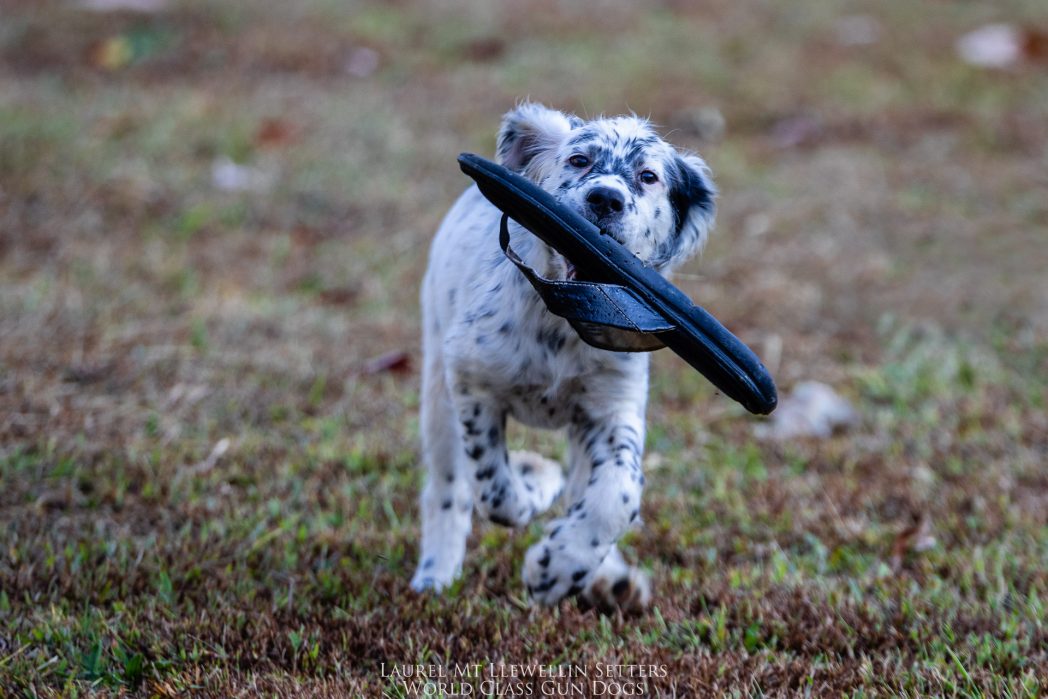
589,304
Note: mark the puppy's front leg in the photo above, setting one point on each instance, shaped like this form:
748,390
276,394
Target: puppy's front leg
447,499
606,502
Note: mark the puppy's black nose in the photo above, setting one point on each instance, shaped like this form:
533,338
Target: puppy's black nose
605,201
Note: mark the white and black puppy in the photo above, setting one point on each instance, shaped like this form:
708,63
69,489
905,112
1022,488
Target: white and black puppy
492,351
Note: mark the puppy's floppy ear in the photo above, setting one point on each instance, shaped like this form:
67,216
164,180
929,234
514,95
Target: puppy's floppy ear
530,130
692,195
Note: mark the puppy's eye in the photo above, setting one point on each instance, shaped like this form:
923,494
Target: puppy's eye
649,177
579,160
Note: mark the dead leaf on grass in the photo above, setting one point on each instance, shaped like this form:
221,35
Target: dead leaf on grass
274,133
396,361
339,296
87,373
916,538
484,49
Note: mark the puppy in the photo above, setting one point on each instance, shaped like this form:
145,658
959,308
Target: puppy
492,350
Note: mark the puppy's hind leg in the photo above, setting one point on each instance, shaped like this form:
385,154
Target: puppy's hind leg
541,478
447,502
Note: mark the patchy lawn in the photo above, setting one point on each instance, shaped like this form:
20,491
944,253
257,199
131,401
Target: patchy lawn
213,217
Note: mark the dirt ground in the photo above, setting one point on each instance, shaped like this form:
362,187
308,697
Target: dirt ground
213,221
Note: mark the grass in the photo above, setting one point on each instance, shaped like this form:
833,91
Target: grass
206,490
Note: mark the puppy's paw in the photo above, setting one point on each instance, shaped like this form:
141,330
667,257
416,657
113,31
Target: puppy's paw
543,478
629,593
430,576
554,570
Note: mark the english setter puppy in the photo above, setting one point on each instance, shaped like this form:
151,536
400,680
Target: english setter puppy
492,351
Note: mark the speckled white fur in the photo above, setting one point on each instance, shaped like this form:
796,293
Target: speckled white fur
492,351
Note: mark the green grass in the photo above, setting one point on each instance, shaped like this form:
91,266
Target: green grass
895,251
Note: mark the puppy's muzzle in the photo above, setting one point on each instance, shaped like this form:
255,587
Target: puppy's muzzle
605,203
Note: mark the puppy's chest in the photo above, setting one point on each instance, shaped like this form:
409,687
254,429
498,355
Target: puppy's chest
544,405
536,364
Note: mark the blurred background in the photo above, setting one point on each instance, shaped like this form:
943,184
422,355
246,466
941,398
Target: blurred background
214,217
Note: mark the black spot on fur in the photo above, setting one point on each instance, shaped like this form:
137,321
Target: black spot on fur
446,505
579,575
475,452
620,587
688,188
499,519
546,586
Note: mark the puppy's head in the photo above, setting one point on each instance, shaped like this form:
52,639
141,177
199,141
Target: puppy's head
617,173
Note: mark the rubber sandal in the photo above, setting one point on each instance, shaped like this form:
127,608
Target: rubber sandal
617,302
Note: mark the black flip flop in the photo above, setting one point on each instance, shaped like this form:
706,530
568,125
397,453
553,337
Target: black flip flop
617,302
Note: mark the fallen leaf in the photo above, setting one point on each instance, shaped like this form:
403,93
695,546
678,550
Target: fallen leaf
339,295
1035,45
916,538
87,373
217,451
484,49
396,361
272,133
